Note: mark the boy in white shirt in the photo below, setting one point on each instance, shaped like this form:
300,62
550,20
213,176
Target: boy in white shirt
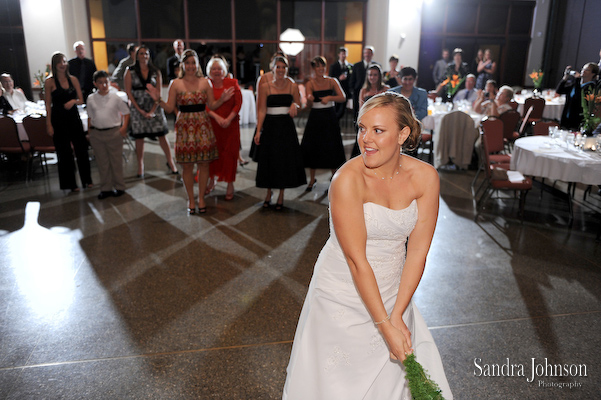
108,121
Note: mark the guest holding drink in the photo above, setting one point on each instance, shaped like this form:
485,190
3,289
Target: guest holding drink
63,95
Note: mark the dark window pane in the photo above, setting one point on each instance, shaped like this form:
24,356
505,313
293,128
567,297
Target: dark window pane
514,70
256,19
521,19
302,15
107,54
493,19
344,21
252,59
162,19
210,19
113,19
462,18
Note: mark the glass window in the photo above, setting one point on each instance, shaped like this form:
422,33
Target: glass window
462,19
302,15
493,19
210,19
113,19
108,54
256,19
161,19
344,21
521,19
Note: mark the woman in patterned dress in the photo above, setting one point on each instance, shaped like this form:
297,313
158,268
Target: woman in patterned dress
147,118
195,141
226,125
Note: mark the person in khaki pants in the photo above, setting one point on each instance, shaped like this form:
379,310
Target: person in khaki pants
108,121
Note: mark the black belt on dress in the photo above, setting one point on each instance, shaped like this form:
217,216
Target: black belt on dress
105,129
191,108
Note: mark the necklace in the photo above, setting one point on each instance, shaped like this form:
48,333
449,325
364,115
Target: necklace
397,172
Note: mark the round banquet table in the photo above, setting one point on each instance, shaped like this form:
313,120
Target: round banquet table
553,106
542,156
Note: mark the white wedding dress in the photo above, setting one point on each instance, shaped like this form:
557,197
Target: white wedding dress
338,352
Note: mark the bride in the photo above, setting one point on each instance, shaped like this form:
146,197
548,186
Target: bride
359,322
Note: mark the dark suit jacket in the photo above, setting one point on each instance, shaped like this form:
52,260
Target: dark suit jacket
571,117
172,64
336,70
83,70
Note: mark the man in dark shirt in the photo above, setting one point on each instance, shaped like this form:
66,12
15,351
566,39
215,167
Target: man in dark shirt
83,69
173,62
341,70
358,76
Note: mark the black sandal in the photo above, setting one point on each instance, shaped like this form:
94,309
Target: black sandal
266,204
310,187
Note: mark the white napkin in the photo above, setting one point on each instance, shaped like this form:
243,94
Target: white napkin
515,176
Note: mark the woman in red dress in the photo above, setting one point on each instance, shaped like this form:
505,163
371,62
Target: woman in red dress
226,125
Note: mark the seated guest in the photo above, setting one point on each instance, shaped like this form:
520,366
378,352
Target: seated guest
117,77
491,89
496,107
418,97
469,93
83,69
15,98
573,84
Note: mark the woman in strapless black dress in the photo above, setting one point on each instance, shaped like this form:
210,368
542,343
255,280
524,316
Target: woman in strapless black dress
279,156
322,144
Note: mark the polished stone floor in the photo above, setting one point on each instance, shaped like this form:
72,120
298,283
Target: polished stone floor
131,298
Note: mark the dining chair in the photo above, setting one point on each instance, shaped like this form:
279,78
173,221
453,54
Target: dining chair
522,129
542,128
455,140
510,120
538,105
10,143
496,179
426,141
492,129
39,139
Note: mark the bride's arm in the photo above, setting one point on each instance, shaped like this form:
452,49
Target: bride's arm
428,184
346,202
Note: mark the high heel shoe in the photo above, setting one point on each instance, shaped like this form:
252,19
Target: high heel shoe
279,206
310,186
191,211
176,172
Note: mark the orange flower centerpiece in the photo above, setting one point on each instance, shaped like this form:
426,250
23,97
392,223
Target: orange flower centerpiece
452,83
591,100
40,80
537,79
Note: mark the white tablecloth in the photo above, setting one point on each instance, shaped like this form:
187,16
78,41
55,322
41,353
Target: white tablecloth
553,106
540,156
248,112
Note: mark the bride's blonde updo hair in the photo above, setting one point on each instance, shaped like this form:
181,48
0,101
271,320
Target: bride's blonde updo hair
404,115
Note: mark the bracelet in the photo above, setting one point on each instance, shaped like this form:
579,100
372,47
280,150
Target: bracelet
384,320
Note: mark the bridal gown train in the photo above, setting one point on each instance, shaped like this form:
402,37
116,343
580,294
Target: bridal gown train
338,352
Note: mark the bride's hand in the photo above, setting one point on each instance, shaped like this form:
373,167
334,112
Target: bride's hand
398,338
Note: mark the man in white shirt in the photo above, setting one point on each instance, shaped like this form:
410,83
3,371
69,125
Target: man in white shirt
108,120
469,93
15,97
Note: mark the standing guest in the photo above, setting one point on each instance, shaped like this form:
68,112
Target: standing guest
322,144
108,121
476,61
456,68
174,61
226,126
147,118
573,85
358,77
486,69
372,86
469,94
280,159
418,97
440,68
62,96
83,69
195,141
390,76
342,70
496,107
359,308
14,96
117,77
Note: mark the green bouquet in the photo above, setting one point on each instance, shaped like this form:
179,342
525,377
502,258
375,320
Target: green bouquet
420,384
